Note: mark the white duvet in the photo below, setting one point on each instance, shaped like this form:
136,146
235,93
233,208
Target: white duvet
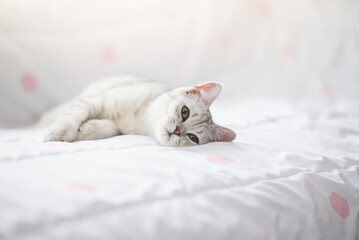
291,173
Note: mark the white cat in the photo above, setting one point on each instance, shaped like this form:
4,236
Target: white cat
134,105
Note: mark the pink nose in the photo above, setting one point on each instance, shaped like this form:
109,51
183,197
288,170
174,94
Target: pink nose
177,132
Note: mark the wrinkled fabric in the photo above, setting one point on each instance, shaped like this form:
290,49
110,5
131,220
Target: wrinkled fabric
291,173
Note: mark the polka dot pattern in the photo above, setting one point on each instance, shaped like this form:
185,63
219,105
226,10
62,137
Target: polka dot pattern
57,144
170,13
80,187
271,120
225,39
286,50
108,54
326,92
28,82
339,204
220,160
264,9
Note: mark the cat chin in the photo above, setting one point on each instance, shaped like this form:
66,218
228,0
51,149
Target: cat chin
163,138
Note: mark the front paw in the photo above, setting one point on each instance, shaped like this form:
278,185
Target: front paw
60,131
87,131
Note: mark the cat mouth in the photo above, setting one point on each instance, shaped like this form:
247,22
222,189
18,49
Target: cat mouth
167,134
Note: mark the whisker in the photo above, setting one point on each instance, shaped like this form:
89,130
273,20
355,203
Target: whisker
170,120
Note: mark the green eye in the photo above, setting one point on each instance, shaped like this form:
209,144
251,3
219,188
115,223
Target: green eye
193,137
184,113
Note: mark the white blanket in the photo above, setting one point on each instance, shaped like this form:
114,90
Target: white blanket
291,173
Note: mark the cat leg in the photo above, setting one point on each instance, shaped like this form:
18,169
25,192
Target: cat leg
97,129
65,128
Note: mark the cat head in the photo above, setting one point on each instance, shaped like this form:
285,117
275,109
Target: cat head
186,119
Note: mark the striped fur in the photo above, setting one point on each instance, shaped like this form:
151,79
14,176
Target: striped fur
134,105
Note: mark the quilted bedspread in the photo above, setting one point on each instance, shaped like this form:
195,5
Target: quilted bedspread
291,173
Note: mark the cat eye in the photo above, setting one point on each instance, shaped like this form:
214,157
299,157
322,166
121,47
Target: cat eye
193,137
184,113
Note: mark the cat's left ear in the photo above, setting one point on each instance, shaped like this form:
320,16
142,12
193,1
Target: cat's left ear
222,134
207,92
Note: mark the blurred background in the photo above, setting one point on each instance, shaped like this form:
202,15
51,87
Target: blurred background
51,49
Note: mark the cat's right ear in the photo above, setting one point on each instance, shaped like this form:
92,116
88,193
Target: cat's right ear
208,92
222,134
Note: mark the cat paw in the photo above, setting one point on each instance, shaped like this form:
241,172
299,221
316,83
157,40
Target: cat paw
60,131
87,131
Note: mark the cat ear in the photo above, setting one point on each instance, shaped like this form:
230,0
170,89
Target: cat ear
222,134
207,92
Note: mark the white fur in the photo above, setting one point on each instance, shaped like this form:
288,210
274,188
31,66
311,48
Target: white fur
134,105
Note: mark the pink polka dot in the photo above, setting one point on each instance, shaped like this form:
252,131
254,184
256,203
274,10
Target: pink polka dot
286,50
170,13
326,92
271,120
81,187
57,144
290,101
220,159
108,54
28,82
339,204
225,39
264,9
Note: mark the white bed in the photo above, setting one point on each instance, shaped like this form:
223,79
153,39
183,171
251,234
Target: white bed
291,173
290,75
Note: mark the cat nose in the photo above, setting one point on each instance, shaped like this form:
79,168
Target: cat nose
177,132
